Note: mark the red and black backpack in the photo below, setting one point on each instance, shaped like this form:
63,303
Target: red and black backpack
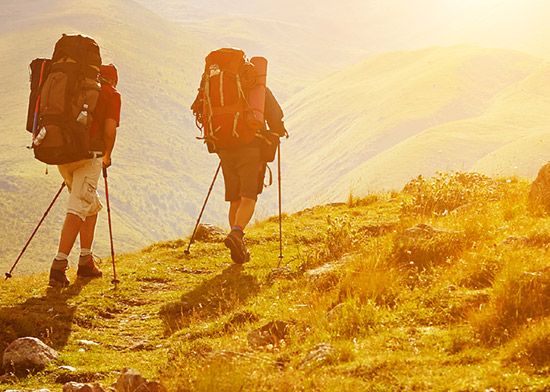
223,108
64,93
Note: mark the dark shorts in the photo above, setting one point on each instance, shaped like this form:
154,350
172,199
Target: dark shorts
243,172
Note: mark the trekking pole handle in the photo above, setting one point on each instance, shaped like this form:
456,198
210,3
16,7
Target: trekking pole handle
104,172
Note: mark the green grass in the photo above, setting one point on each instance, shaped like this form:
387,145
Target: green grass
464,309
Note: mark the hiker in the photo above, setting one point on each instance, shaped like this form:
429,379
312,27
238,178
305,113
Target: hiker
232,108
243,172
81,178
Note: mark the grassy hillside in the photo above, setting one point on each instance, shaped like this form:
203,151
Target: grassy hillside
444,286
398,115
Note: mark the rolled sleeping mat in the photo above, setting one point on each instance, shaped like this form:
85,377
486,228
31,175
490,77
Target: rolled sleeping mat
257,93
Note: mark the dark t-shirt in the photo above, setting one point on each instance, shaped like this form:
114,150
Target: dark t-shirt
273,114
108,107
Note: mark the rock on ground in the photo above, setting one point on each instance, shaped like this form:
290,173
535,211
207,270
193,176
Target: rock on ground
131,381
209,233
27,354
34,390
319,355
272,333
78,387
424,231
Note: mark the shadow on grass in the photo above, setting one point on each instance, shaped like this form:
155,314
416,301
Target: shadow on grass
48,318
211,299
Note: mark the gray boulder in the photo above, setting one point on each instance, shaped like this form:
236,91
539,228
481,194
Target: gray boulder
27,354
209,233
273,333
131,381
78,387
321,354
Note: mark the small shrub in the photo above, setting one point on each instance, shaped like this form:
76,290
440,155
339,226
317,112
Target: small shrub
422,247
439,304
447,192
353,319
479,225
519,296
532,347
324,282
460,339
478,271
371,279
354,201
339,239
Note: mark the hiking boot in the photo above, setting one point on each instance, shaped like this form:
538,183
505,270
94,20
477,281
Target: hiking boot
235,242
87,268
58,278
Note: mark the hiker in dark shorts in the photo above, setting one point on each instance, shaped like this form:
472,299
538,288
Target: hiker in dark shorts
243,172
81,178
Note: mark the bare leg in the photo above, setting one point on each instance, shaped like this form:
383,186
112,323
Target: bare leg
233,208
244,212
240,213
87,232
70,231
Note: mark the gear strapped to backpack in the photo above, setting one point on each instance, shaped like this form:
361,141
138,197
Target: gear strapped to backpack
64,93
226,110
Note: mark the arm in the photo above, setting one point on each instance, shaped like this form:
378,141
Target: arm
109,137
112,122
274,114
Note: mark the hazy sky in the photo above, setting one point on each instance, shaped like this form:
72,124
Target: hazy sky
381,25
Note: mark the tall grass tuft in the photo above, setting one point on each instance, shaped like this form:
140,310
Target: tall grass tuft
532,347
423,247
371,277
340,239
519,297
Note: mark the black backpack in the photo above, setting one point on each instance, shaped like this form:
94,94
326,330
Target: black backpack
64,93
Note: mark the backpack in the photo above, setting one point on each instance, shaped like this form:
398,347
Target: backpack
223,110
64,93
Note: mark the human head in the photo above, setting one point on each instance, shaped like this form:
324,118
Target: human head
108,73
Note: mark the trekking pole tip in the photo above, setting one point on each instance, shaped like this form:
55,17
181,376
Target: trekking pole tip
186,252
115,281
8,275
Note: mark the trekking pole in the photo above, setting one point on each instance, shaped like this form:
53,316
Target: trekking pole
9,274
115,280
280,206
187,252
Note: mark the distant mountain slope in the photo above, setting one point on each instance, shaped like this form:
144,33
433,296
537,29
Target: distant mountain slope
398,115
375,26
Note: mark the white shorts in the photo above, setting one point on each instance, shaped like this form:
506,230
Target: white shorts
81,178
